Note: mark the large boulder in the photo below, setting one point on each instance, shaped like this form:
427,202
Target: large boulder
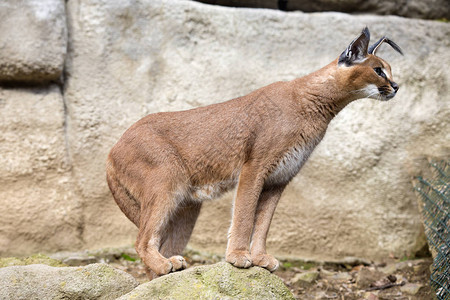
352,198
36,282
33,40
219,281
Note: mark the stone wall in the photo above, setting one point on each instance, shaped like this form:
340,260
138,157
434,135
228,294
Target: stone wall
41,211
33,40
125,59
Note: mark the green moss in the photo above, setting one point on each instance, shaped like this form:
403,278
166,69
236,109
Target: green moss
10,261
30,260
301,264
408,257
43,259
98,272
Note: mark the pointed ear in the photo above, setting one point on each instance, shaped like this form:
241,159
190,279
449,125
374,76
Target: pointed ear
357,50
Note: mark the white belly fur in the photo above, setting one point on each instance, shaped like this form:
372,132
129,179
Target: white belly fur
286,169
212,191
290,164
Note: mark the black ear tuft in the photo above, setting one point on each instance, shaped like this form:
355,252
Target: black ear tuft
366,33
373,49
357,50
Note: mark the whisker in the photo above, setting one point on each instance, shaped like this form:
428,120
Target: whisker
373,94
358,91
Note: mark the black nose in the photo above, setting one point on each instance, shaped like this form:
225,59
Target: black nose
394,86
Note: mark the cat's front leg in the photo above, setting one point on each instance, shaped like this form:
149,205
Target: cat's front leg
264,212
244,210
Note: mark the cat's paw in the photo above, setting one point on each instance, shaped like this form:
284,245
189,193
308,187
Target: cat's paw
266,261
240,259
178,263
162,267
166,266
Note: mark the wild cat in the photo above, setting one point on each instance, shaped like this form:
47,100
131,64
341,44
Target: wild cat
167,164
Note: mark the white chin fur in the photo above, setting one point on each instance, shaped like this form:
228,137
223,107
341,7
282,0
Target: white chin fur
371,91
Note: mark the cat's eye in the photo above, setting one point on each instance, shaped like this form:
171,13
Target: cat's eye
379,72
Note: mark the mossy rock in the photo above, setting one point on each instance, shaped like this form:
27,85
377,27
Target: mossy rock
38,281
30,260
218,281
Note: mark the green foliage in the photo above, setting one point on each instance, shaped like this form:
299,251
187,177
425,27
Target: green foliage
127,257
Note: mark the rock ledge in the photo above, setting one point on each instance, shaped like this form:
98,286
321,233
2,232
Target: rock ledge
218,281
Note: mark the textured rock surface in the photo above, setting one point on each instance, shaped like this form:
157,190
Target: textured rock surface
96,281
33,40
219,281
40,210
433,9
129,59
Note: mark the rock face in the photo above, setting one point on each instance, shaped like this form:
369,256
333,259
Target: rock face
354,188
33,40
130,58
96,281
434,9
219,281
40,208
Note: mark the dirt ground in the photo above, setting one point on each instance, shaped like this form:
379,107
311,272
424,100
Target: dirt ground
393,278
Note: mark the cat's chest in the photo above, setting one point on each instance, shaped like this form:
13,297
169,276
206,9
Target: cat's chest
290,163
